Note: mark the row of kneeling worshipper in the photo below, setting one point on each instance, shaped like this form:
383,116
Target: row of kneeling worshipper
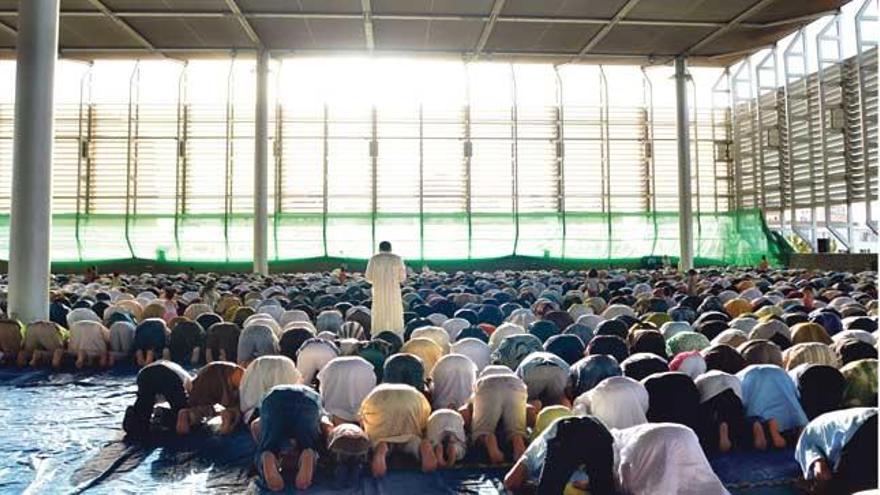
493,364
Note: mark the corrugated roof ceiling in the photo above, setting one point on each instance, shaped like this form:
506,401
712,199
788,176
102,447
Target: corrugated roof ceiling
711,32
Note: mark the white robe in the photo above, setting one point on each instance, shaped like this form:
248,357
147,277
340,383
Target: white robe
386,272
663,458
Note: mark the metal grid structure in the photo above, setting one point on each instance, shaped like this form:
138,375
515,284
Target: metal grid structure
806,150
175,175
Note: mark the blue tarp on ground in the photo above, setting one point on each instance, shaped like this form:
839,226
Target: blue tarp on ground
61,433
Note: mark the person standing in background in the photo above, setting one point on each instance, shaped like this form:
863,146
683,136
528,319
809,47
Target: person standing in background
386,272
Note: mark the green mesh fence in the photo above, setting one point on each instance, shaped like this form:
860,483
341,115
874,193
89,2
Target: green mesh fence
730,238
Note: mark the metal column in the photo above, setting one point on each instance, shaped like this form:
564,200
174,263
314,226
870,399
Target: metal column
863,45
261,166
31,220
685,206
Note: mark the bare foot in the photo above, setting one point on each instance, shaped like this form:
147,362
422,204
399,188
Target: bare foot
775,436
519,446
22,360
104,360
183,422
426,453
35,360
495,454
229,423
271,475
758,434
151,356
438,453
306,469
451,457
379,466
821,470
139,358
80,360
255,429
166,354
724,444
56,358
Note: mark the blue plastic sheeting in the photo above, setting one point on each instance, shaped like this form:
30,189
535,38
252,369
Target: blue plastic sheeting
61,433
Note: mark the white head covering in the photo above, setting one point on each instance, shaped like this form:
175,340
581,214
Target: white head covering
618,401
713,382
437,319
453,381
729,335
578,310
454,326
81,314
496,369
670,328
273,310
744,323
435,334
476,350
265,320
345,381
313,356
522,317
664,458
693,366
261,375
293,315
618,310
504,330
855,335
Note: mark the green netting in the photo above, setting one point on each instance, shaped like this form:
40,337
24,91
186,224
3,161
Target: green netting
730,238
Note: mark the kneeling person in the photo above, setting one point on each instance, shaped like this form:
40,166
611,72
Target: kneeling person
216,383
157,381
290,416
395,416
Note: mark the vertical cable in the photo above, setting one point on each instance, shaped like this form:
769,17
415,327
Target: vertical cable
374,163
648,103
560,155
180,165
230,116
468,153
421,184
324,191
130,160
278,151
82,152
514,160
606,152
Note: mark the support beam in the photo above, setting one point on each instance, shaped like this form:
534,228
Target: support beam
548,19
261,167
608,27
245,24
497,7
367,8
685,206
98,4
31,214
754,9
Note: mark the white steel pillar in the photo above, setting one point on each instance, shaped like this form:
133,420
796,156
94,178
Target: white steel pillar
261,167
685,206
31,214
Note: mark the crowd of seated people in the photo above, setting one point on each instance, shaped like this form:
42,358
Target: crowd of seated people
599,381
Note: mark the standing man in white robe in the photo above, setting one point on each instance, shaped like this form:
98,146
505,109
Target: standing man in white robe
386,272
